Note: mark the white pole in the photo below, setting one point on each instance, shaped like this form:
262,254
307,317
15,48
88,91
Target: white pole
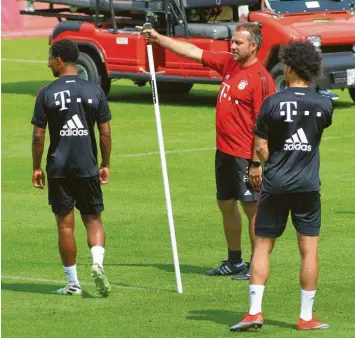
163,166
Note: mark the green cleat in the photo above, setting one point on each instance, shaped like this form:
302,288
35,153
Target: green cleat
103,287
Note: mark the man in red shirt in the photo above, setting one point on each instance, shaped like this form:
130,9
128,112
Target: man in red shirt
245,84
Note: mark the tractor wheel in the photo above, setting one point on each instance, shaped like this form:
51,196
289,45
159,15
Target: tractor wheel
88,70
277,72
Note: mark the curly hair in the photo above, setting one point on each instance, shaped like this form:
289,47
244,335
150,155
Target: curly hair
66,49
303,58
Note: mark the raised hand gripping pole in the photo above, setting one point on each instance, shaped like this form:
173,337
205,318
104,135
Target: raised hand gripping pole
163,161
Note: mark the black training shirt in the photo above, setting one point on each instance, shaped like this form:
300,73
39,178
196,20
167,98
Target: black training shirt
71,106
293,122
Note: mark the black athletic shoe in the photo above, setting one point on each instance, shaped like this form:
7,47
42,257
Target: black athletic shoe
226,269
243,275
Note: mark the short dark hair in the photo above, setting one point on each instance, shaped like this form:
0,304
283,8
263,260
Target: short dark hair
254,31
303,58
66,49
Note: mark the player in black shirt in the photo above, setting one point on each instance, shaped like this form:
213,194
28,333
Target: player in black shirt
288,132
71,106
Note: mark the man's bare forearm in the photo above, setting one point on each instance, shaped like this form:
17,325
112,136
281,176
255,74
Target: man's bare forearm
263,154
255,156
37,147
181,48
105,147
261,149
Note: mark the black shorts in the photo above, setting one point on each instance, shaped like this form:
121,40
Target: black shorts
273,211
82,192
232,178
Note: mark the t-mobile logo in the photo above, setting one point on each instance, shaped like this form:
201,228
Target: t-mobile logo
289,110
64,97
223,91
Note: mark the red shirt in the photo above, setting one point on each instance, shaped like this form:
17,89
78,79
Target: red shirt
240,96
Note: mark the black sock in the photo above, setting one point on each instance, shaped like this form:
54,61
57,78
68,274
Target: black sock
234,257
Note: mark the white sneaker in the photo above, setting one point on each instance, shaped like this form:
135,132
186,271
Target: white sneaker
70,290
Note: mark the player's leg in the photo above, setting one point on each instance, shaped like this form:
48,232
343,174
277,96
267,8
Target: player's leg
95,237
306,217
232,221
249,200
232,224
270,224
62,203
96,243
259,273
250,209
89,201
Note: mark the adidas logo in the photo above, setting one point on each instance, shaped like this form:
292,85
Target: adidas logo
247,193
298,141
74,127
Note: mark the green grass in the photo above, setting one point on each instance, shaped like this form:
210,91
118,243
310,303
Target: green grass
138,261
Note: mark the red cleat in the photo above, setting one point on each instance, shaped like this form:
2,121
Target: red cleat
312,324
249,322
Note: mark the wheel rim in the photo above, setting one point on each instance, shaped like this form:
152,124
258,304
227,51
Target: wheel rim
280,83
82,72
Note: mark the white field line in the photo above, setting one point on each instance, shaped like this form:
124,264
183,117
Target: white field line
86,283
337,137
23,61
177,151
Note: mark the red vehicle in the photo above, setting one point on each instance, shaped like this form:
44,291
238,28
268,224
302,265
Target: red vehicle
111,47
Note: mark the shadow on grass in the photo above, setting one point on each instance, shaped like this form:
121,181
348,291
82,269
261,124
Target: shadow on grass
184,268
345,212
230,318
343,104
142,95
196,98
47,289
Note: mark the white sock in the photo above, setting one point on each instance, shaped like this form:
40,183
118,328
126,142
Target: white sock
307,299
98,253
256,293
72,275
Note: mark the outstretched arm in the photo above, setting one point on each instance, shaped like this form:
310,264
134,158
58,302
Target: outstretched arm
181,48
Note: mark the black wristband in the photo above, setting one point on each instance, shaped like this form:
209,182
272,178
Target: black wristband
104,166
255,163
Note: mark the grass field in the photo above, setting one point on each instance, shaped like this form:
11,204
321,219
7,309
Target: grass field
138,261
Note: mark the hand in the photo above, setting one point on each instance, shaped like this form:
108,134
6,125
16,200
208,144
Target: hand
38,179
255,177
149,34
104,174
